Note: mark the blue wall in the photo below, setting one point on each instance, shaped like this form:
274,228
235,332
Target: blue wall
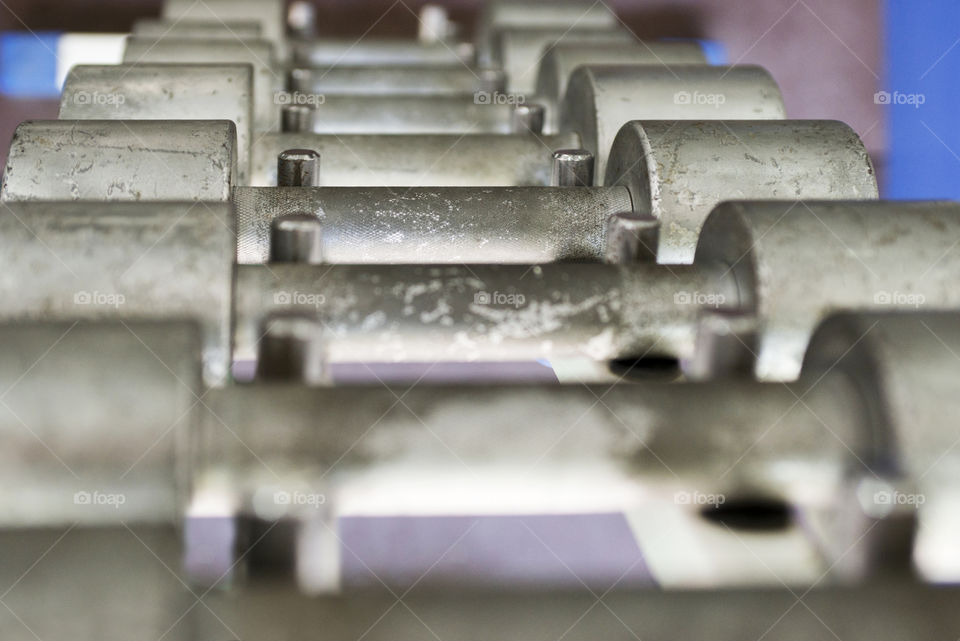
923,66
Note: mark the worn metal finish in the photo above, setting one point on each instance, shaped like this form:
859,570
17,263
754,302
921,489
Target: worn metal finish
630,237
298,168
126,261
452,160
572,168
121,160
267,81
852,256
436,225
438,313
483,312
679,171
412,313
600,99
164,92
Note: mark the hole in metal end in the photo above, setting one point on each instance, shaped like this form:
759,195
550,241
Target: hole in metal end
658,367
753,515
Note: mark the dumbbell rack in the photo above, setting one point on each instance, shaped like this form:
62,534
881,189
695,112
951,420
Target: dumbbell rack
697,314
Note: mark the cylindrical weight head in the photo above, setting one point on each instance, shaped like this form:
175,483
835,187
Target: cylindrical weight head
601,99
679,171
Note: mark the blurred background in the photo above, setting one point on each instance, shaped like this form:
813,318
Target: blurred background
888,69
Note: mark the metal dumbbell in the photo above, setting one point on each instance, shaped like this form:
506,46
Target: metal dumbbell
747,261
655,169
158,92
675,172
641,93
826,446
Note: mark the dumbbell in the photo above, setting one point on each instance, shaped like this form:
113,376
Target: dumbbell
744,92
869,418
747,92
674,172
177,261
157,92
748,259
712,160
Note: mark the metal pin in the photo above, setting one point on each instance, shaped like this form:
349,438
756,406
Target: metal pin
292,350
297,118
493,80
434,24
302,19
299,80
726,345
572,168
296,238
528,118
631,237
298,168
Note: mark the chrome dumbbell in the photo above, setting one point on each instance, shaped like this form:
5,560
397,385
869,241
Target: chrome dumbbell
177,260
675,172
157,92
